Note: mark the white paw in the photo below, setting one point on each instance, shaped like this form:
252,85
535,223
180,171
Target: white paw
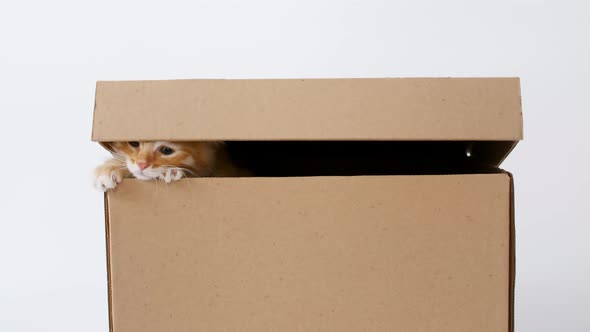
106,181
171,175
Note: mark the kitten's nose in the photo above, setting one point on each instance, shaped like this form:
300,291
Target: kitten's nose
142,165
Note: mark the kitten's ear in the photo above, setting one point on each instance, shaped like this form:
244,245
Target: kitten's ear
109,146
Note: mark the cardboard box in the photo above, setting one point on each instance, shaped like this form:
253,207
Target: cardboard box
414,233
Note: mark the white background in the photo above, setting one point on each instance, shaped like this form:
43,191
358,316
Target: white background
52,259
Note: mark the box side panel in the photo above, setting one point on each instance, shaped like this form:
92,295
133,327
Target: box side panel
406,253
108,254
313,109
512,254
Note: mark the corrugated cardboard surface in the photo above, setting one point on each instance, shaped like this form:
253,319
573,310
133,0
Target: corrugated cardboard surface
312,109
383,253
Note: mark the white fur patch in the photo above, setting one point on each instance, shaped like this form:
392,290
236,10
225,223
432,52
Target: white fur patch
147,174
104,182
171,174
189,161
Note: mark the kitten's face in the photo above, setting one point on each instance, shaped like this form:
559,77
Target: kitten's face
151,160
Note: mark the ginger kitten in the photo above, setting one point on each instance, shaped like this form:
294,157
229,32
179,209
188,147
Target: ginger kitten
163,160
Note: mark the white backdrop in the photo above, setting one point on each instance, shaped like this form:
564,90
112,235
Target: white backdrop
52,259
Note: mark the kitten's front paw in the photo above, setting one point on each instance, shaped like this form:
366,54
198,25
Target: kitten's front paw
107,179
171,175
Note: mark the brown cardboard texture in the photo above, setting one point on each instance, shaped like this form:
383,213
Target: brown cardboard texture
411,109
389,249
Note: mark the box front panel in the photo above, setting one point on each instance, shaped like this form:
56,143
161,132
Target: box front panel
383,253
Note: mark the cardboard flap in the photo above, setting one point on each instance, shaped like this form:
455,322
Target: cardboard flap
403,109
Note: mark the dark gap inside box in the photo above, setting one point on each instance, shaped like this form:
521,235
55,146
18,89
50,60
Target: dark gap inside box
348,158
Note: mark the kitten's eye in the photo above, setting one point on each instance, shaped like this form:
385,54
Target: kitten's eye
166,150
134,144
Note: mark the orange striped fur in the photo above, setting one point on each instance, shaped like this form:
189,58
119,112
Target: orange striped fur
163,160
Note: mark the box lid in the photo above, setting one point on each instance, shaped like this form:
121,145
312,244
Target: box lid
403,109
